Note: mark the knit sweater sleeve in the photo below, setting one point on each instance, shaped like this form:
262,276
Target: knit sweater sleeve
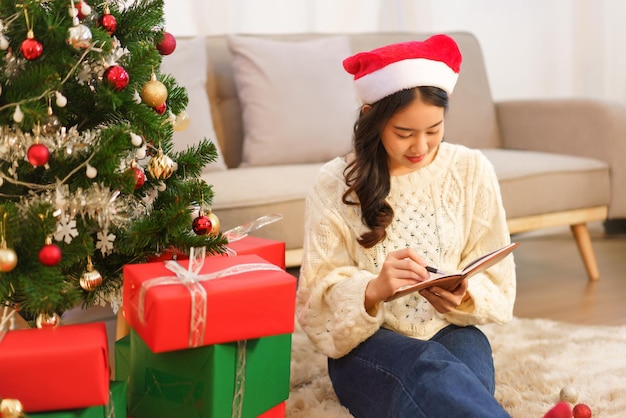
331,288
493,291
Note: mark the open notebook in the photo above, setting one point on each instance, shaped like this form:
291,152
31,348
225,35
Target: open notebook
450,280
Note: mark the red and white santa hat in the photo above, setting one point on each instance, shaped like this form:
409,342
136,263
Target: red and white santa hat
381,72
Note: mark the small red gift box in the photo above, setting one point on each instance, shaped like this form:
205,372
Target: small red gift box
232,298
270,250
51,369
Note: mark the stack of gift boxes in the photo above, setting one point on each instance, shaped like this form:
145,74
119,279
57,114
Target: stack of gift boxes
209,337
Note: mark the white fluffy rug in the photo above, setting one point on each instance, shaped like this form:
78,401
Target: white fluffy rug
534,359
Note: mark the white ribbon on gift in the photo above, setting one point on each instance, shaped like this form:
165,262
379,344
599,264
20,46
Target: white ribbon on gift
191,278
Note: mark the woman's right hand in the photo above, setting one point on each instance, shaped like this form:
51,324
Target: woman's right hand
401,268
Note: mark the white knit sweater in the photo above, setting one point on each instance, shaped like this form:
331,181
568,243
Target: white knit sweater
450,212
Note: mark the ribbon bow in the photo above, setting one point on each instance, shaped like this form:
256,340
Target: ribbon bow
191,278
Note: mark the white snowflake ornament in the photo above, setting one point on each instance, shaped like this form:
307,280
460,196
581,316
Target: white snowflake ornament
105,242
66,229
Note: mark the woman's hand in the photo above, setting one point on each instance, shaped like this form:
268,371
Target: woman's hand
401,268
445,300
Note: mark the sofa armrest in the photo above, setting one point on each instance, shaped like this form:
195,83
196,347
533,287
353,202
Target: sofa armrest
581,127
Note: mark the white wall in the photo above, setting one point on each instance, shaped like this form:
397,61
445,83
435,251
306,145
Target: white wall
532,48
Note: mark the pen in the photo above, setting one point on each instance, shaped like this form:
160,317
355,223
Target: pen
434,270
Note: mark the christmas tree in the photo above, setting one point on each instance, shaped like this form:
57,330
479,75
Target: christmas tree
89,180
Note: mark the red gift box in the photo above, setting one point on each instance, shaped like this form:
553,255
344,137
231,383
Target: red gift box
278,411
251,298
50,369
270,250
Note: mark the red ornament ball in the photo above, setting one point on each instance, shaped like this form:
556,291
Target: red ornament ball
117,77
50,255
202,225
38,155
160,109
140,177
108,22
582,411
167,45
31,49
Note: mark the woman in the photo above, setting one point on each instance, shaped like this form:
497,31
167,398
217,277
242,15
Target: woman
402,200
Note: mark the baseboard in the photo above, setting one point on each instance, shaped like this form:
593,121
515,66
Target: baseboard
615,226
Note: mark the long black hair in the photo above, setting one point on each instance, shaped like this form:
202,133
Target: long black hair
367,174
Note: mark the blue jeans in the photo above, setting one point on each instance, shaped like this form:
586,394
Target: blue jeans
392,375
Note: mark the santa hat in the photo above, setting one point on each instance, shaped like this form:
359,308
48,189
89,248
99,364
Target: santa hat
384,71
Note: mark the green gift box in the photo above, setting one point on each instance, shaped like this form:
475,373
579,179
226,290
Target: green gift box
115,409
201,382
122,358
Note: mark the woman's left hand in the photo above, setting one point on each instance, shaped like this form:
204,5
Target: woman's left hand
445,300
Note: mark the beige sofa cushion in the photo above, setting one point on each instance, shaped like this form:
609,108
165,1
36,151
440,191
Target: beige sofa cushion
188,64
245,193
529,179
298,103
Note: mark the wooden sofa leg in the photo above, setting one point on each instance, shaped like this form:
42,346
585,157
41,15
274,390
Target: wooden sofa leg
583,240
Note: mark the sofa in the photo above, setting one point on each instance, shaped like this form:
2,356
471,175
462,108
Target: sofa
278,107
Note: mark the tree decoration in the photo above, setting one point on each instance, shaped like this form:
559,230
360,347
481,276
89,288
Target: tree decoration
91,171
61,100
79,36
31,48
4,42
167,45
52,124
18,115
8,257
91,278
135,139
140,153
140,176
161,167
582,410
11,408
82,8
107,20
47,320
181,122
568,394
117,77
50,254
161,108
215,223
202,225
154,93
38,154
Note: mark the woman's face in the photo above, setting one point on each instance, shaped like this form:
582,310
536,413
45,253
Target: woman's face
412,136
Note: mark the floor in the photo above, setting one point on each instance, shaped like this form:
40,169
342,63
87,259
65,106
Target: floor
552,282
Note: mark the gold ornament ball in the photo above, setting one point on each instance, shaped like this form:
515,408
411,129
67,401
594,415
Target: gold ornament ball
154,93
181,122
91,279
8,260
11,408
52,125
215,222
568,394
161,167
45,320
